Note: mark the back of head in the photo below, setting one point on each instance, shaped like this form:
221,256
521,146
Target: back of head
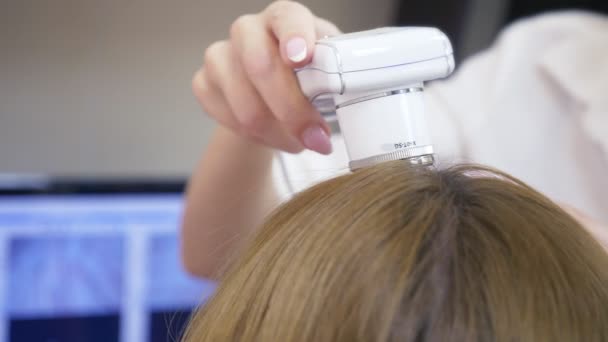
402,253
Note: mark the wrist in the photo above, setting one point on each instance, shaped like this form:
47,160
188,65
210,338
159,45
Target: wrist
246,150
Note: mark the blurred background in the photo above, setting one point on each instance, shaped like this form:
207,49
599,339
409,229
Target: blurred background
98,132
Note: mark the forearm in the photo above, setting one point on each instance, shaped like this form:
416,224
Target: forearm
227,197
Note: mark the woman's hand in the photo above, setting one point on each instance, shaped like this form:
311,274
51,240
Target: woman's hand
248,85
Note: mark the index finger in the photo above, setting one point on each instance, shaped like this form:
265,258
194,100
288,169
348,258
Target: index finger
277,84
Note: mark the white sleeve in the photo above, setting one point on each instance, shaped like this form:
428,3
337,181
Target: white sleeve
458,108
524,107
496,92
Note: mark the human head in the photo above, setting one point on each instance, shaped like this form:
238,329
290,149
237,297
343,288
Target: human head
402,253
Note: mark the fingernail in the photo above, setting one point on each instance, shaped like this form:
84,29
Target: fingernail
296,49
315,138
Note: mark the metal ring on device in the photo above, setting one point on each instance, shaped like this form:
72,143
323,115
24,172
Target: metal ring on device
422,155
379,95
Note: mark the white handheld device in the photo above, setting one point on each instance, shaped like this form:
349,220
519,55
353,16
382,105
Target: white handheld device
376,81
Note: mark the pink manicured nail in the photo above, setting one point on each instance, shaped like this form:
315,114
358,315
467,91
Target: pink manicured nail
315,138
296,49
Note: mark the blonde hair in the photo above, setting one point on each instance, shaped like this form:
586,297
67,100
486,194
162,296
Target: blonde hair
402,253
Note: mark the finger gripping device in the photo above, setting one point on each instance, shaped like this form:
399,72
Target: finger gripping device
376,81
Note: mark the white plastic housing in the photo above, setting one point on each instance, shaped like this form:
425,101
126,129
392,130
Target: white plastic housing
376,79
381,126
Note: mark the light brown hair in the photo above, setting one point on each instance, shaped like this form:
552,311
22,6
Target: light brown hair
402,253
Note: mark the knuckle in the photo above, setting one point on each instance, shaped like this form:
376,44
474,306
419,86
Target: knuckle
203,92
213,54
200,85
278,9
240,25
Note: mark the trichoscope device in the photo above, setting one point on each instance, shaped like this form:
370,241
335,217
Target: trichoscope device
374,81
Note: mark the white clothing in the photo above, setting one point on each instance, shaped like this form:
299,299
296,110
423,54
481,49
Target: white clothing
534,105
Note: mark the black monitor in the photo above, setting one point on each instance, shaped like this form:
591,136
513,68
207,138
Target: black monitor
93,260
